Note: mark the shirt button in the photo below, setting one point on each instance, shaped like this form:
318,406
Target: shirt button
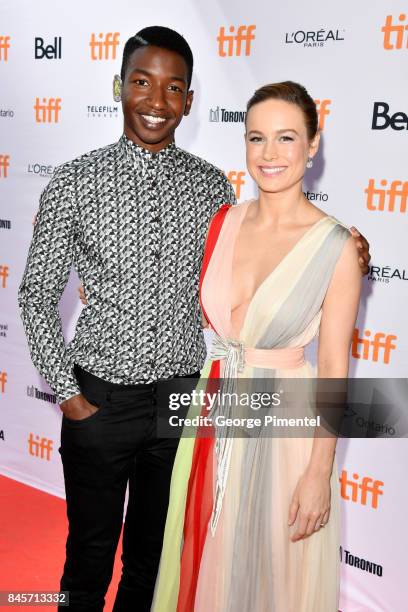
156,220
153,328
157,255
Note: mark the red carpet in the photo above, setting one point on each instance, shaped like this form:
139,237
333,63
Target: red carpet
33,528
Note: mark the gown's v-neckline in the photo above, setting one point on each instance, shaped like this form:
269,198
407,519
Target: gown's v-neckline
272,272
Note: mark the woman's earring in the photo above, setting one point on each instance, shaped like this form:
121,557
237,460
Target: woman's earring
309,163
117,88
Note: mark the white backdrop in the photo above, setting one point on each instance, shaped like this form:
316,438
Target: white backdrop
350,56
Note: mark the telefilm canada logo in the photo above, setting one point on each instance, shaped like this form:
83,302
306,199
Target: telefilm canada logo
102,111
7,113
314,38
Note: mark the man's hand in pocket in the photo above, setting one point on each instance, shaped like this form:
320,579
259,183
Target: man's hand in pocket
77,408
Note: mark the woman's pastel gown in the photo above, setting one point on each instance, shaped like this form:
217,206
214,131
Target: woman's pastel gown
241,559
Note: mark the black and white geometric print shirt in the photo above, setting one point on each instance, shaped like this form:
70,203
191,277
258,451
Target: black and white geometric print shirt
133,225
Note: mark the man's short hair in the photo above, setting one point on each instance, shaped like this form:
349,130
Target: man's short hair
158,36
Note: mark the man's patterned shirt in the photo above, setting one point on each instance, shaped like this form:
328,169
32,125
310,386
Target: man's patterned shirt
133,224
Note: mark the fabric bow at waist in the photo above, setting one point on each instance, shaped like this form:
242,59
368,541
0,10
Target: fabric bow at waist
236,356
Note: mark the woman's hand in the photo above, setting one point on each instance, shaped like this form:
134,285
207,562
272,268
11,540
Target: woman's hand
310,504
82,297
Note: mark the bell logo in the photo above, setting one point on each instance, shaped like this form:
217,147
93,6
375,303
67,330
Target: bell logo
3,381
382,120
244,34
48,110
368,490
4,274
4,165
322,111
51,51
372,348
105,47
41,448
4,47
383,199
394,34
237,181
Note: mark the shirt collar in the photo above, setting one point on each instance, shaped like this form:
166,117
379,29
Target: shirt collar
136,153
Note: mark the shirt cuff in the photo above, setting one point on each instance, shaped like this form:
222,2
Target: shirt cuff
66,386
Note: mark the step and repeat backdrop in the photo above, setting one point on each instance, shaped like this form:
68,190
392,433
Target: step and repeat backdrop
57,61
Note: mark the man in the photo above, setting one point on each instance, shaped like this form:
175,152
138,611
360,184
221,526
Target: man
132,218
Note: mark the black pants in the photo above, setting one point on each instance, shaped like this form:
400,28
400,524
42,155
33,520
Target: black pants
101,454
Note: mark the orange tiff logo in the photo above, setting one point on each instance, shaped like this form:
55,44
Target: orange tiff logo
237,181
48,110
4,165
4,274
322,111
234,42
105,47
4,47
3,381
41,448
383,199
394,33
367,491
371,348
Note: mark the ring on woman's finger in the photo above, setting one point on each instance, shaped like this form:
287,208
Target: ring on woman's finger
322,524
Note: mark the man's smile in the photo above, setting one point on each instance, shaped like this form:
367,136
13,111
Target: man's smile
153,121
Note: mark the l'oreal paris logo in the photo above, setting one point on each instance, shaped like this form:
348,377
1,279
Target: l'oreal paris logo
314,38
384,274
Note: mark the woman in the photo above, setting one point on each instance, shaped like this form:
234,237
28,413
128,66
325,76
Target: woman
253,524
